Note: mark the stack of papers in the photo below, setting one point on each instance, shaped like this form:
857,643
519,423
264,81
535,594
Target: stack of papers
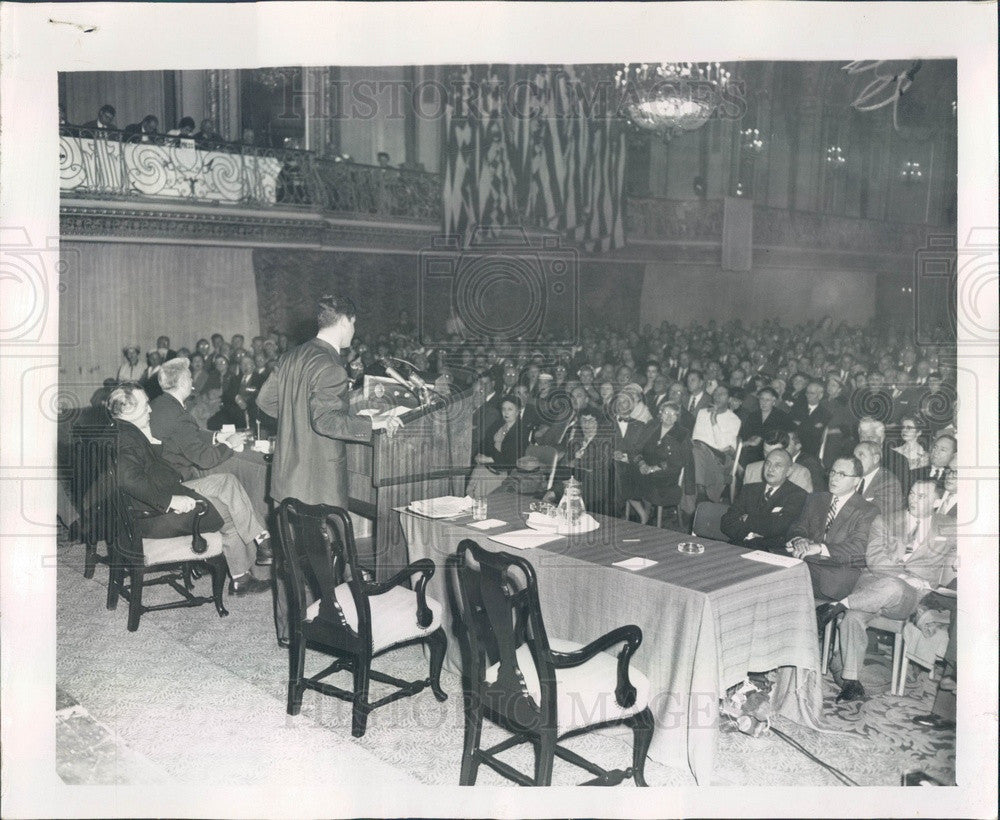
447,506
488,524
771,558
524,539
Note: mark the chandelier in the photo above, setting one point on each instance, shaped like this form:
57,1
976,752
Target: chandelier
670,98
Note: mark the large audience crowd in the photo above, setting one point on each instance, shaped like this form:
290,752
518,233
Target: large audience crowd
830,443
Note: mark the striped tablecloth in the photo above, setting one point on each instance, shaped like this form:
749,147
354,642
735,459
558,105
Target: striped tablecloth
707,620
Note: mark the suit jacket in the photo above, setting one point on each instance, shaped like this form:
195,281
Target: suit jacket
483,418
512,447
924,474
769,519
847,541
799,475
899,466
186,447
635,433
810,427
701,404
593,468
150,482
308,394
931,559
755,425
883,491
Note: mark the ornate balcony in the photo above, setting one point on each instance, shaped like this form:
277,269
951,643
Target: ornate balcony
98,164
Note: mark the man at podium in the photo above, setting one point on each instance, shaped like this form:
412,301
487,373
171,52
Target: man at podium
308,394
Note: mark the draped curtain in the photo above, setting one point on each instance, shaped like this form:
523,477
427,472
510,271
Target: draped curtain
534,146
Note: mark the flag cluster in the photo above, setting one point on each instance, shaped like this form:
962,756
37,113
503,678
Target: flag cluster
533,150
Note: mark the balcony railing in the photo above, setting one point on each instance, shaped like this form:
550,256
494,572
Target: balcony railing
105,164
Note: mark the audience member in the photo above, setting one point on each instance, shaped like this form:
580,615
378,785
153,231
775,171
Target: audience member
798,474
942,451
908,554
714,439
131,370
764,511
878,486
831,534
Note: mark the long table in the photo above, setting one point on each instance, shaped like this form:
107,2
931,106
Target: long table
707,620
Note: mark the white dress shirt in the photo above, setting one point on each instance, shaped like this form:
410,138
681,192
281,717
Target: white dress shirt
720,435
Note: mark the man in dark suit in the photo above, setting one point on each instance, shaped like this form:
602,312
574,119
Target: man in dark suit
196,453
942,451
878,486
307,394
763,512
156,487
698,398
948,503
873,430
164,349
589,454
908,554
628,436
486,414
145,131
810,418
559,431
105,119
831,534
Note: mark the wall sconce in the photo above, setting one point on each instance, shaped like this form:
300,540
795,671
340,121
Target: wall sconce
911,172
835,158
751,142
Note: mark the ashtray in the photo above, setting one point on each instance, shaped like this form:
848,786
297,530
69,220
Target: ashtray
690,548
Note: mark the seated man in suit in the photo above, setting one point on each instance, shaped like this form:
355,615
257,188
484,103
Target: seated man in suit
908,554
803,459
779,440
948,503
628,436
763,512
155,486
566,419
831,535
589,454
809,418
942,451
199,454
878,486
698,399
713,444
873,430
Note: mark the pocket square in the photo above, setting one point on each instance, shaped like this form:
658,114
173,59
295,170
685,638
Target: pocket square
940,537
818,424
777,509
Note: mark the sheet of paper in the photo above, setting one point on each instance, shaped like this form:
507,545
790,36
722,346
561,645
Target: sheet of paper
771,558
446,506
488,524
524,539
634,564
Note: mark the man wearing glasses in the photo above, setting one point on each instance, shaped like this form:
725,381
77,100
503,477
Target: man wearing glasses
909,554
831,534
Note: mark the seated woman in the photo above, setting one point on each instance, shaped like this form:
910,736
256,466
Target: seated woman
502,445
909,432
664,452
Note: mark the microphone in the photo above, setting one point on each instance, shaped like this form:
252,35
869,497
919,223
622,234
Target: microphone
393,374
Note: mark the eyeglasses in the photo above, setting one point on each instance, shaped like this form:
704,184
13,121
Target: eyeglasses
842,474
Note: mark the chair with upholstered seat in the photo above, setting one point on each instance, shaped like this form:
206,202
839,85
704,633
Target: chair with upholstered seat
668,499
92,461
540,689
350,617
170,559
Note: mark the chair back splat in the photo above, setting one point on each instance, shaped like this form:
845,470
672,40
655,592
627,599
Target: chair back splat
336,608
540,689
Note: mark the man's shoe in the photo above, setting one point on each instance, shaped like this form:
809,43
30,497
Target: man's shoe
934,722
853,690
246,584
827,612
284,643
265,556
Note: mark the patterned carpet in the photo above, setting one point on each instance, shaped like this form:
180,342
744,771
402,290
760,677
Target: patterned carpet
191,691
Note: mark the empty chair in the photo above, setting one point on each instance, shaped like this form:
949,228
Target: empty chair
351,618
540,689
169,558
708,521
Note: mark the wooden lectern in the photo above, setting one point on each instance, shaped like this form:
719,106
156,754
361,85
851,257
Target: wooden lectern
429,457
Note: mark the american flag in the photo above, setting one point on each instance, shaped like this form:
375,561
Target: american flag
555,160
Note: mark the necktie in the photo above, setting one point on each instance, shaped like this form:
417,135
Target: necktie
768,493
833,512
861,488
911,540
935,472
691,405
